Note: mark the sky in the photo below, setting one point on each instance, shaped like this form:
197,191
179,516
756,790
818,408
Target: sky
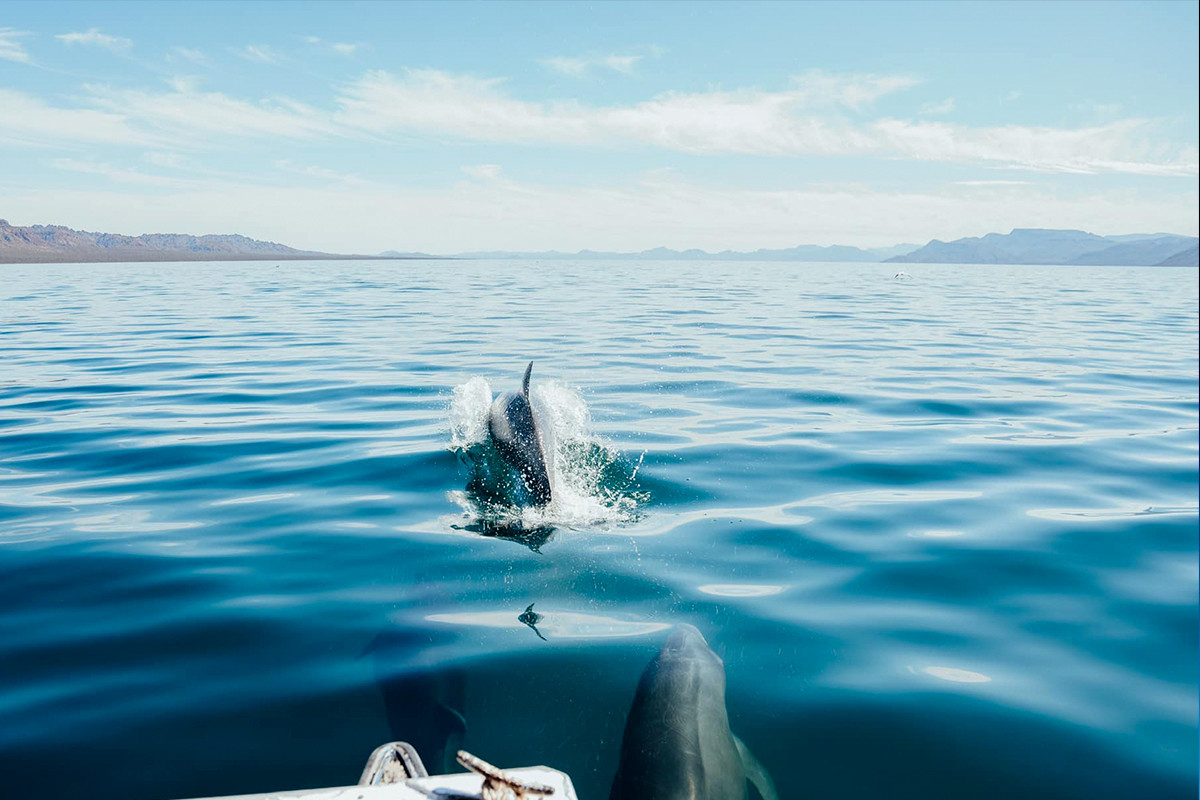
461,126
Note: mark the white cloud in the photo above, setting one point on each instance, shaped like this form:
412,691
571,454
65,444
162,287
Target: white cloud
11,48
622,64
188,116
817,115
120,175
483,172
163,159
855,91
933,109
197,57
575,67
1115,147
581,66
739,121
31,122
94,38
341,48
993,183
260,53
321,173
795,121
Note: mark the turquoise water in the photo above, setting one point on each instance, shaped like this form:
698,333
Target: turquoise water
942,530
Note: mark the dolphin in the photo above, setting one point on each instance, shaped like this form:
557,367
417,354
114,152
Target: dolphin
525,441
677,743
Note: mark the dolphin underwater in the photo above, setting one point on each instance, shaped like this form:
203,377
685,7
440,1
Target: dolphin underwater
525,441
677,743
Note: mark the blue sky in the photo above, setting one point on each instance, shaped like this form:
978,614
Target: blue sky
447,127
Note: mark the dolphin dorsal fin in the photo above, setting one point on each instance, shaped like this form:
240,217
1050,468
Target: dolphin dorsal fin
525,383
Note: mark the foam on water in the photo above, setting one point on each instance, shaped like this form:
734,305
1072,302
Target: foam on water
593,483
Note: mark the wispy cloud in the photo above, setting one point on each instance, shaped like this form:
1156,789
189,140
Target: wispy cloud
341,48
260,53
163,159
936,109
120,175
739,121
855,91
818,114
800,120
185,112
483,172
11,48
320,173
197,57
993,183
94,38
31,122
578,67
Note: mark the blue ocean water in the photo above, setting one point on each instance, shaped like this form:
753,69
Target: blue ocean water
942,530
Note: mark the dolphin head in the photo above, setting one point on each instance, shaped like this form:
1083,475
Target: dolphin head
686,642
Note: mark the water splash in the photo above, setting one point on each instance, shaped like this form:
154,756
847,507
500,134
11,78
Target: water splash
594,485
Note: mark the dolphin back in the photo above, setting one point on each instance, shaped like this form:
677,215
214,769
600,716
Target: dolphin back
522,441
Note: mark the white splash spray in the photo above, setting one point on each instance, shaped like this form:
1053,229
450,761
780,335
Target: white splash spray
469,413
592,483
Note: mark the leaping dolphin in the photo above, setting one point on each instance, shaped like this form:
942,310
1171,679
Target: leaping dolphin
526,442
677,743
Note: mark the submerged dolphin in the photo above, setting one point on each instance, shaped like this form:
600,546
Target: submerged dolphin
677,743
526,442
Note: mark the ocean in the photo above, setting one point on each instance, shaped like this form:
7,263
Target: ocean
941,528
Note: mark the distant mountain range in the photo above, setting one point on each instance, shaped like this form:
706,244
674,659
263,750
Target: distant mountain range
55,243
804,252
1077,248
1021,246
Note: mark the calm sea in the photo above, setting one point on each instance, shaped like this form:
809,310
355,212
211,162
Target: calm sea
942,529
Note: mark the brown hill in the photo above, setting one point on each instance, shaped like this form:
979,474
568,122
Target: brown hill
35,244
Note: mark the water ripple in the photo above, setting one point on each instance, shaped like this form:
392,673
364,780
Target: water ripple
942,532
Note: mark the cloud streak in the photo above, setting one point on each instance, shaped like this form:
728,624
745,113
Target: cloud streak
809,118
818,114
194,56
11,48
260,53
190,117
94,38
341,48
123,176
30,122
581,66
937,109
